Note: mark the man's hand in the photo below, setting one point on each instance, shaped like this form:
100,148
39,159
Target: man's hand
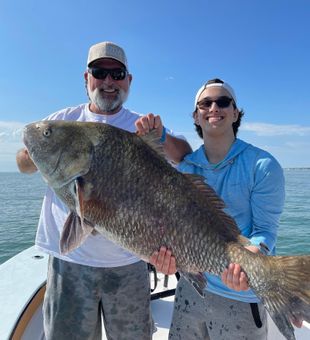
234,277
175,148
24,162
164,261
147,123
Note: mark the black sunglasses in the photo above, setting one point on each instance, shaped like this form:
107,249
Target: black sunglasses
102,73
221,102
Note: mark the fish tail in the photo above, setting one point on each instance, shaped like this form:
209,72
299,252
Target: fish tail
287,291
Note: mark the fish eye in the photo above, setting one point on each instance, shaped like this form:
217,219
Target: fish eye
47,132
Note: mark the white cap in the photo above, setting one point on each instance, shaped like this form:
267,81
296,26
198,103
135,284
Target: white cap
221,83
106,49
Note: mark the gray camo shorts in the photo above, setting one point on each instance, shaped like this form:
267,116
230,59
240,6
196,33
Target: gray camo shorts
215,317
78,298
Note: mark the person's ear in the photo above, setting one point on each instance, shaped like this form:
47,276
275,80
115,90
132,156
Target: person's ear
130,78
195,115
86,76
236,114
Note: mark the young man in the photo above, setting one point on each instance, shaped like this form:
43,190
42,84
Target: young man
251,183
99,279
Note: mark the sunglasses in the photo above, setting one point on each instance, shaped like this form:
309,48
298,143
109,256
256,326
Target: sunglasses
102,73
221,102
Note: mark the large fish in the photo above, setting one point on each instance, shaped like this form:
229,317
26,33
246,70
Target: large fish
120,185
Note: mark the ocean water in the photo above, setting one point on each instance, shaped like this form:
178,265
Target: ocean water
20,205
21,197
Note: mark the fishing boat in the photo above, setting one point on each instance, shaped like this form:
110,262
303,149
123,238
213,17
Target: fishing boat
22,287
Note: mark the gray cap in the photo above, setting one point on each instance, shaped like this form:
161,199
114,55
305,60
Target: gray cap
106,49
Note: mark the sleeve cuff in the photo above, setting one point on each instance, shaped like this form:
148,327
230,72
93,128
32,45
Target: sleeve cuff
262,244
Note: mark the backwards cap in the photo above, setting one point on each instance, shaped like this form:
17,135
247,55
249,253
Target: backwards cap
221,83
106,49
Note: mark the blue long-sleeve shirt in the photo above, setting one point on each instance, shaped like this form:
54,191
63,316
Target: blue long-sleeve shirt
251,183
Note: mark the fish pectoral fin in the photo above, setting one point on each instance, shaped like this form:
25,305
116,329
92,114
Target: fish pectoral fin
79,198
197,280
74,233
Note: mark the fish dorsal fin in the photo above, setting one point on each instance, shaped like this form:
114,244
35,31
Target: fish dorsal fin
214,201
153,141
211,195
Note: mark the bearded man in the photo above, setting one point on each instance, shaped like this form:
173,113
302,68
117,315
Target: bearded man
99,280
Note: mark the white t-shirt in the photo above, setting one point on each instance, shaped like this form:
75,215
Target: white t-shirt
96,251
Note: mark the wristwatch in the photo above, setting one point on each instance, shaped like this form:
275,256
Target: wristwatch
263,248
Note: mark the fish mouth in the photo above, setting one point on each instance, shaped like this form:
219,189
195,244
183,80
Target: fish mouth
25,139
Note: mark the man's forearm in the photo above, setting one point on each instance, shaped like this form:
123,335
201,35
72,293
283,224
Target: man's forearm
176,148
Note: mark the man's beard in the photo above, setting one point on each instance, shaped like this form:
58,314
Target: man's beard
107,104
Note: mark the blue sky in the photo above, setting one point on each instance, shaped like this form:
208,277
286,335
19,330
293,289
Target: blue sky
260,47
